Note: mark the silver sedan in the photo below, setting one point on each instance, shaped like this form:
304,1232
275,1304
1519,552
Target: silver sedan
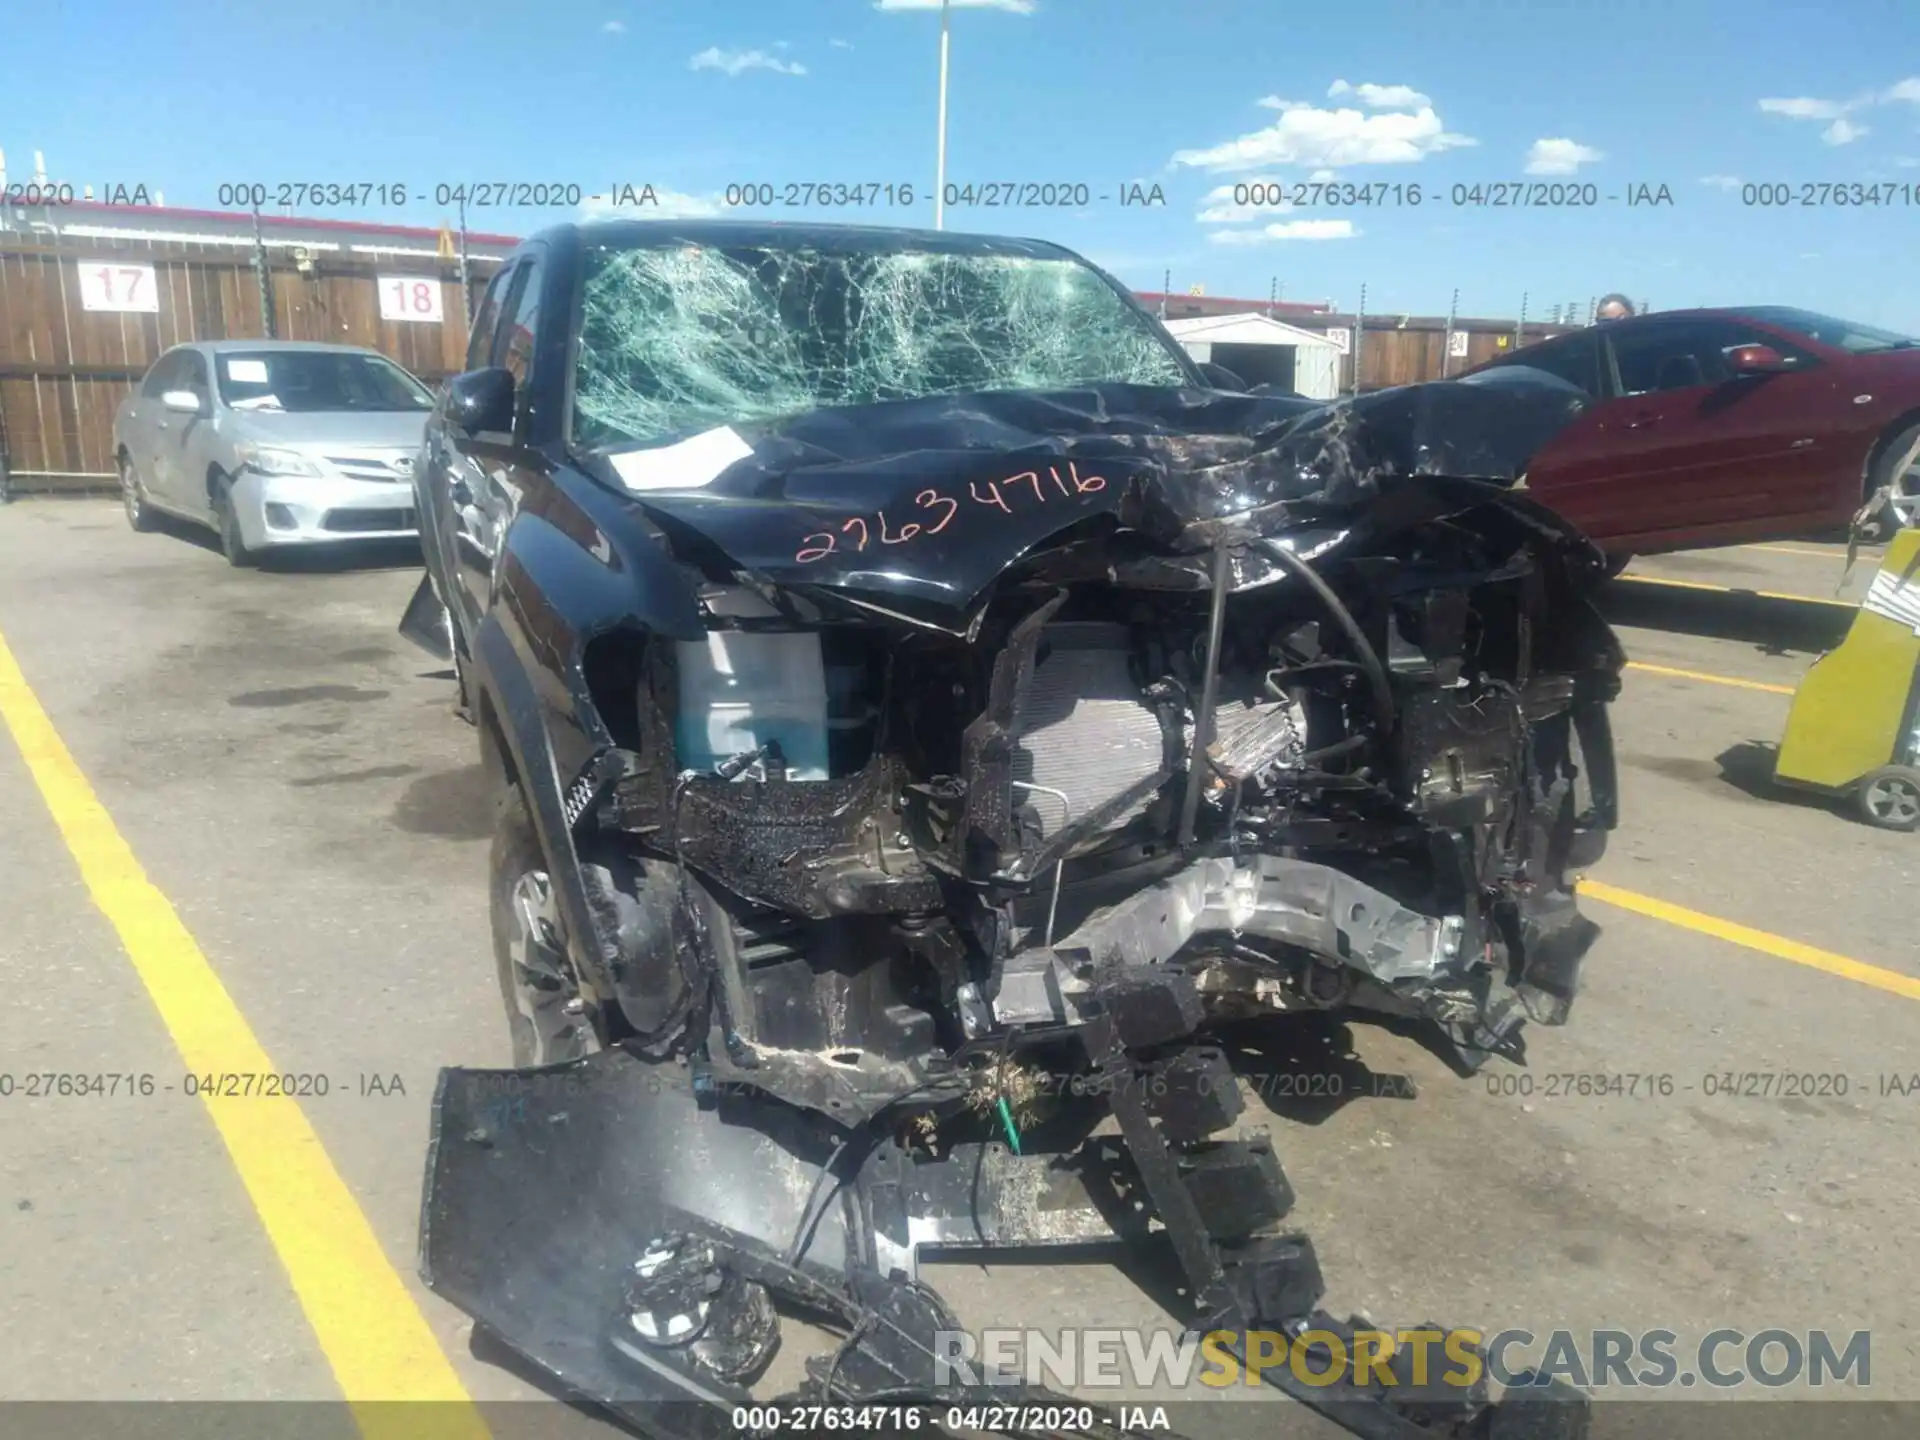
273,444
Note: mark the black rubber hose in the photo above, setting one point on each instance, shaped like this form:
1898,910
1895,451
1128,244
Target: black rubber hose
1369,658
1209,694
1328,752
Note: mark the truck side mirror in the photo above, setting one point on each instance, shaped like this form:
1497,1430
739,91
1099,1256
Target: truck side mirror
481,400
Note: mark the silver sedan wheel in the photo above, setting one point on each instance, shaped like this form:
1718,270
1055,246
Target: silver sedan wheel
552,1016
133,498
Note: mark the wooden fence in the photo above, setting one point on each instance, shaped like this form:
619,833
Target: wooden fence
1393,353
64,368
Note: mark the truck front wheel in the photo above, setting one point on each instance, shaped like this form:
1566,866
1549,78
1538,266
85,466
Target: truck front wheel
548,1018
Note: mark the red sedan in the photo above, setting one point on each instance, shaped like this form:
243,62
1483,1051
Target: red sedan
1717,427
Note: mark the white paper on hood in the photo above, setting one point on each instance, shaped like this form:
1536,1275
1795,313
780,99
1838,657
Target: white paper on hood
687,464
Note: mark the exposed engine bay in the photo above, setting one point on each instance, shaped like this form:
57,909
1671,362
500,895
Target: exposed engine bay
994,821
1030,756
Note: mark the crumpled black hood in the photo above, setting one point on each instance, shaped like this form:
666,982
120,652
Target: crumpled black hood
931,499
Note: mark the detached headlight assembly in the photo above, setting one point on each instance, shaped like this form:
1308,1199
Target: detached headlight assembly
271,461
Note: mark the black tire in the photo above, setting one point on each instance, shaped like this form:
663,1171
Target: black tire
133,498
232,543
1889,798
1890,519
548,1020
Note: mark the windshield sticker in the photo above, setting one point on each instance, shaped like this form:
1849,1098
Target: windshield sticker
857,530
692,464
247,372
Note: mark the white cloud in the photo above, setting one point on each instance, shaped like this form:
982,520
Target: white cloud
1017,7
1287,230
1315,137
737,62
841,44
1381,97
1840,130
670,205
1721,182
615,27
1907,162
1559,156
1319,177
1223,209
1803,108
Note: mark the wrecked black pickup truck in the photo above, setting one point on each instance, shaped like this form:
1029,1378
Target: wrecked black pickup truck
925,708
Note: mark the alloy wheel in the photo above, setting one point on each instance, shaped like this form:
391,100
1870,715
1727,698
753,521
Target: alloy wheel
1892,801
133,499
545,992
1905,499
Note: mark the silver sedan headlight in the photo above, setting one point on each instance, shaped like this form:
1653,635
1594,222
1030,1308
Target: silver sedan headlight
269,460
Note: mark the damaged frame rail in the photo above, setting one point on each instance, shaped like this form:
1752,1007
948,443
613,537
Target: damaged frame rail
686,1218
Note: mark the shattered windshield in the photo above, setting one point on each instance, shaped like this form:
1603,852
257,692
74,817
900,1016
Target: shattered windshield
678,340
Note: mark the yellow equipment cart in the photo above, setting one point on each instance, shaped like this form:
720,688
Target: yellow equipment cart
1853,729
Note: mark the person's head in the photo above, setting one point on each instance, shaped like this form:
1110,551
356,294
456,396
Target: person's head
1613,307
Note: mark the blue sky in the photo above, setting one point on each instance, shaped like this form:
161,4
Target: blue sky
690,96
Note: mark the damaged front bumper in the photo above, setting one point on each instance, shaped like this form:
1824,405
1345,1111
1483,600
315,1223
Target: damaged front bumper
1362,947
685,1223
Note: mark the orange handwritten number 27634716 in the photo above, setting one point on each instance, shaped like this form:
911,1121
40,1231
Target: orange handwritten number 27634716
858,533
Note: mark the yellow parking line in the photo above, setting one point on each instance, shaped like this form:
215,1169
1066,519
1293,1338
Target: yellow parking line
1797,550
1733,590
373,1334
1777,946
1710,679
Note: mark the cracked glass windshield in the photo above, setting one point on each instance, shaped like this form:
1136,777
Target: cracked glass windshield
679,340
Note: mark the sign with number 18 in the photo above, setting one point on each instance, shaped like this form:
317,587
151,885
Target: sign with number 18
402,297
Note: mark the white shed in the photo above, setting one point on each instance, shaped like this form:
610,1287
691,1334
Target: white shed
1261,350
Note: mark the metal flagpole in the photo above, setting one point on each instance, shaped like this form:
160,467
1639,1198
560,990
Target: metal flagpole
940,168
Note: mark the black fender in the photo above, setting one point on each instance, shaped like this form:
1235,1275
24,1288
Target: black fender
561,579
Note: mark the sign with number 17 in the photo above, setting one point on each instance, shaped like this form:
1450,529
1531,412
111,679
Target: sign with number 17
403,297
109,285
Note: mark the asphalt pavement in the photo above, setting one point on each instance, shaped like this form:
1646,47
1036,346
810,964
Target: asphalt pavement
242,821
